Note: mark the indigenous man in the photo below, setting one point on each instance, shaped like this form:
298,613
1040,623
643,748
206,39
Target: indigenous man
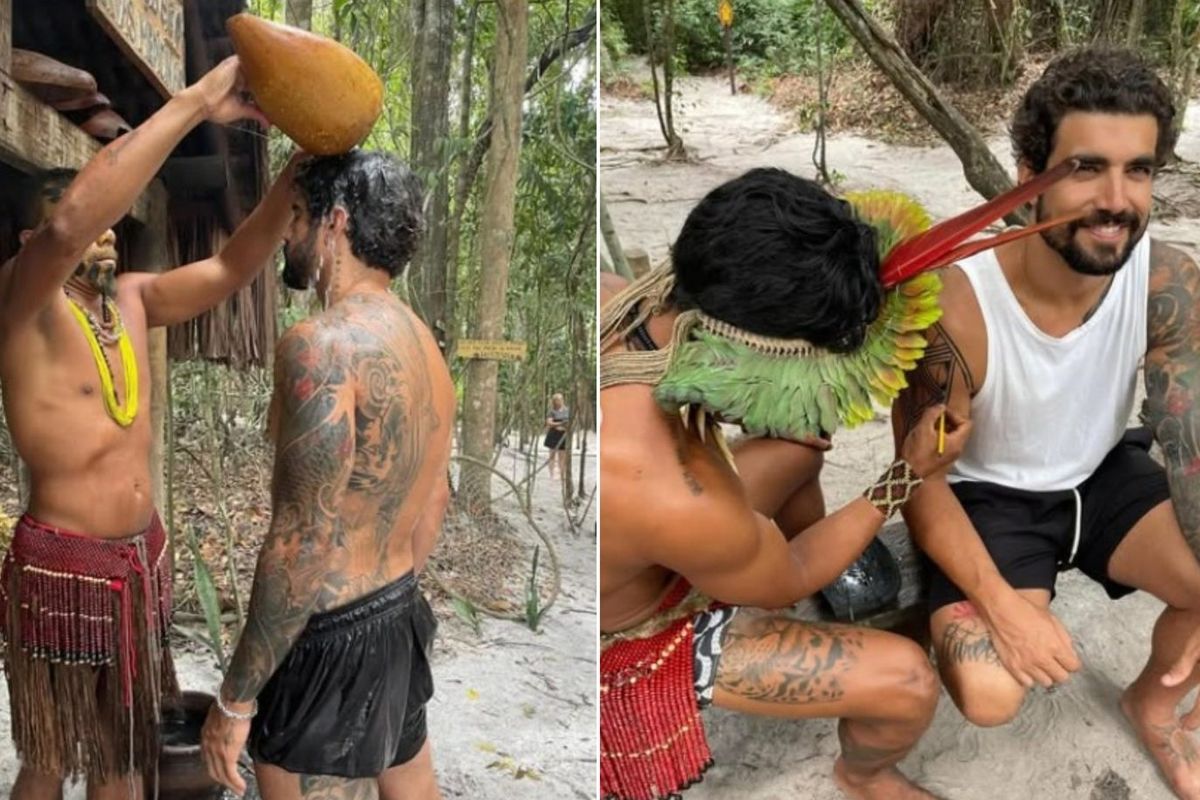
331,675
768,263
1040,345
86,580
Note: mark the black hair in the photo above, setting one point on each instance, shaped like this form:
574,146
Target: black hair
1102,79
40,187
777,255
382,198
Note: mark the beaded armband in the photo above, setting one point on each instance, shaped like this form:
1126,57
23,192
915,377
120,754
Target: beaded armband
894,487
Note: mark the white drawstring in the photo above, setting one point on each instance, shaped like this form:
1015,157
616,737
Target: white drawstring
1078,525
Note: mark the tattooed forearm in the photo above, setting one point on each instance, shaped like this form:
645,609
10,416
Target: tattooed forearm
312,467
968,642
1172,371
777,660
940,369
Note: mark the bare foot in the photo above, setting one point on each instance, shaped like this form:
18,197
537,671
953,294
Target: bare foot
1173,748
887,784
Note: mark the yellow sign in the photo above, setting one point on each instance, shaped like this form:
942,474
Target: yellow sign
492,349
725,13
151,34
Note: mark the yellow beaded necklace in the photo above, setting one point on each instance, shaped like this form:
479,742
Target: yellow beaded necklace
122,414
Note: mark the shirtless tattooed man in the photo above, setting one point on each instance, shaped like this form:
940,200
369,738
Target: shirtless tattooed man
331,675
1040,345
771,260
86,584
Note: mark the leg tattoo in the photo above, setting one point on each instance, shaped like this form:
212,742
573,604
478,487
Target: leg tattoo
775,660
965,642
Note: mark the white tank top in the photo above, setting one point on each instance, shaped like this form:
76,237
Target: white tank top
1051,408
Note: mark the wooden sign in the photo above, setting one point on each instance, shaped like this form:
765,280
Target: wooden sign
725,13
492,349
151,34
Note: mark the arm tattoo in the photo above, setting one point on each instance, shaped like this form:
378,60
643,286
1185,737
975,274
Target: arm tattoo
934,377
297,568
778,660
1171,409
969,641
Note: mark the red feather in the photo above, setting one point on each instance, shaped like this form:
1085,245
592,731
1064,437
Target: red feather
940,245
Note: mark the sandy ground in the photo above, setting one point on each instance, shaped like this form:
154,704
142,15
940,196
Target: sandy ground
1066,745
514,712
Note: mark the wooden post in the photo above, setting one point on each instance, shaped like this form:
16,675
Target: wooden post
5,35
150,253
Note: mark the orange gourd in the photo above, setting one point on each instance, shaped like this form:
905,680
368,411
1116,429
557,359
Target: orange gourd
317,91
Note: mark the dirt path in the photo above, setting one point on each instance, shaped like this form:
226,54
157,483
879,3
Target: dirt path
1069,745
514,711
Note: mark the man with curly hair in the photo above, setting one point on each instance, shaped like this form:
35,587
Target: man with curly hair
331,674
1040,345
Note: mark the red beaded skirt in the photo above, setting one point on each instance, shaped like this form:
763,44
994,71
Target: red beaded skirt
652,742
85,624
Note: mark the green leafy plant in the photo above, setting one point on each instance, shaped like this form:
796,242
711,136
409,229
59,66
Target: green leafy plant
210,604
533,607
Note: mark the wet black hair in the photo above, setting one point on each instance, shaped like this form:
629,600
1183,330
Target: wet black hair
777,255
382,198
1099,78
49,184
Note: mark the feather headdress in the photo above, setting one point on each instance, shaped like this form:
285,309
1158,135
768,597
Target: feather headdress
790,389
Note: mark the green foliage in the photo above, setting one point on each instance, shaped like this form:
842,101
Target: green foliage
206,591
533,609
770,37
551,286
467,612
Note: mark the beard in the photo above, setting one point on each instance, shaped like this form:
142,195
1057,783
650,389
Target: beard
1101,259
299,264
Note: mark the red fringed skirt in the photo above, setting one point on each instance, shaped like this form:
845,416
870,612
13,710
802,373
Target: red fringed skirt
85,625
652,742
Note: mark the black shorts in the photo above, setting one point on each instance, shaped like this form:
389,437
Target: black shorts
1030,535
349,698
555,439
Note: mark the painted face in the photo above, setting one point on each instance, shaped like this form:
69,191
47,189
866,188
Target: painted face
98,269
1116,155
300,261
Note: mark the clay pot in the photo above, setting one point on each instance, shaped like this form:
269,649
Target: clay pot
181,772
316,90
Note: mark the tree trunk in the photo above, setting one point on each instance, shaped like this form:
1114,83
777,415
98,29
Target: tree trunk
1185,59
454,220
663,46
675,147
496,228
983,172
433,42
298,13
1137,20
465,181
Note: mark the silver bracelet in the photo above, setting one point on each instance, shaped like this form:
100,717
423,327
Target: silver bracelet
235,714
